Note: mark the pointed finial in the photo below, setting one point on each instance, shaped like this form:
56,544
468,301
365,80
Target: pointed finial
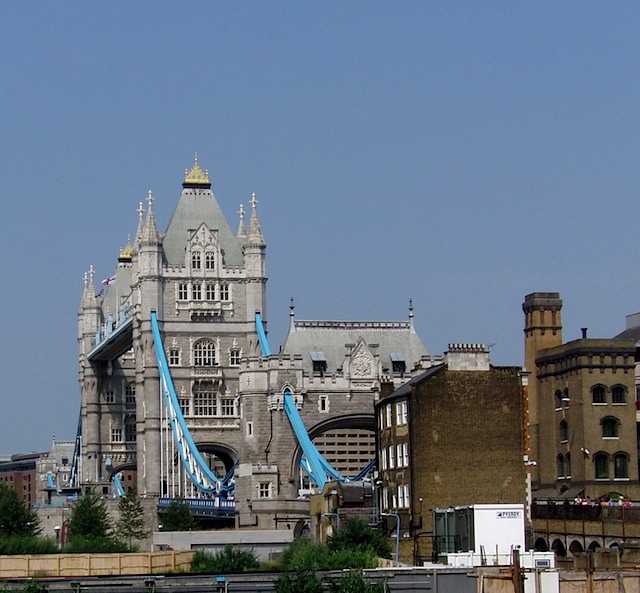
292,308
150,199
86,280
140,210
411,314
91,274
292,323
241,212
254,201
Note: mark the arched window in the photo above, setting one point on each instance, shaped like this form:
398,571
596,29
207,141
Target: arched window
619,394
599,394
564,431
560,466
210,260
565,398
204,353
558,398
567,465
601,461
621,465
610,427
196,260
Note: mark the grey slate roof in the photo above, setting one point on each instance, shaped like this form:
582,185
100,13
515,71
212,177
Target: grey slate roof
195,206
336,338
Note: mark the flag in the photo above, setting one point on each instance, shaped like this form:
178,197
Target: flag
108,281
100,294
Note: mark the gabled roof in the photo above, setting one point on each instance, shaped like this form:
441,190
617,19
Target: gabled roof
195,206
335,339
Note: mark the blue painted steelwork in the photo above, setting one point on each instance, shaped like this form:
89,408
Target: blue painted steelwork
215,507
200,474
50,481
118,485
75,462
262,336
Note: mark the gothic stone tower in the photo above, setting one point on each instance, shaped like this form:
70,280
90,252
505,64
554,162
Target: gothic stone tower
205,284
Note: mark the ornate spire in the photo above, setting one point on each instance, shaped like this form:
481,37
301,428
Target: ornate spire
292,315
126,253
196,177
89,296
411,315
140,223
242,232
254,234
150,234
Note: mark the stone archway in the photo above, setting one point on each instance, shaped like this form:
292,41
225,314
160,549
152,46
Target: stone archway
541,545
558,548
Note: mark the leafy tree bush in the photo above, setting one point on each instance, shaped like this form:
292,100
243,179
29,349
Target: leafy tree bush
178,517
130,524
228,560
27,544
307,555
359,535
16,518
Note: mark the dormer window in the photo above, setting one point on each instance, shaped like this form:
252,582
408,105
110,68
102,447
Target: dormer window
319,361
210,260
398,364
196,260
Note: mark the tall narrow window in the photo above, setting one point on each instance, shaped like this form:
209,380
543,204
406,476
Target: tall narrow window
174,357
564,431
621,465
210,260
183,291
599,395
210,291
195,260
399,455
224,292
228,407
601,461
130,431
560,466
392,457
130,393
196,292
405,454
558,398
234,357
388,415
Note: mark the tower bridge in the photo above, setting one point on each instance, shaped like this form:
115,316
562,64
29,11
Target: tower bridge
181,395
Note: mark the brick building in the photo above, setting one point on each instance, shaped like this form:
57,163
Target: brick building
453,435
582,408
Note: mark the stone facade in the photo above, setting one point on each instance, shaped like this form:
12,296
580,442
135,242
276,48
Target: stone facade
205,285
582,403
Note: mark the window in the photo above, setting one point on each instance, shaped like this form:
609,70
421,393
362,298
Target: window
195,260
204,353
249,431
196,292
110,396
116,434
264,490
228,407
174,357
405,454
621,466
183,292
210,291
401,413
383,455
204,399
209,260
619,394
130,393
381,419
610,428
599,395
399,454
567,466
130,431
385,498
564,431
234,357
565,399
405,487
401,496
319,362
392,457
388,415
558,398
323,403
560,466
601,461
224,292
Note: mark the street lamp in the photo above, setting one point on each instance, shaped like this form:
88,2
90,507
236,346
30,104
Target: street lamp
57,530
397,534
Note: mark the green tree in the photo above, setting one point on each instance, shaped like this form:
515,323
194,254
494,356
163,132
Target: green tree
178,517
131,524
16,518
301,581
89,518
359,535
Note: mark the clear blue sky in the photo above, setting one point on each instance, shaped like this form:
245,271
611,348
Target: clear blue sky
463,154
